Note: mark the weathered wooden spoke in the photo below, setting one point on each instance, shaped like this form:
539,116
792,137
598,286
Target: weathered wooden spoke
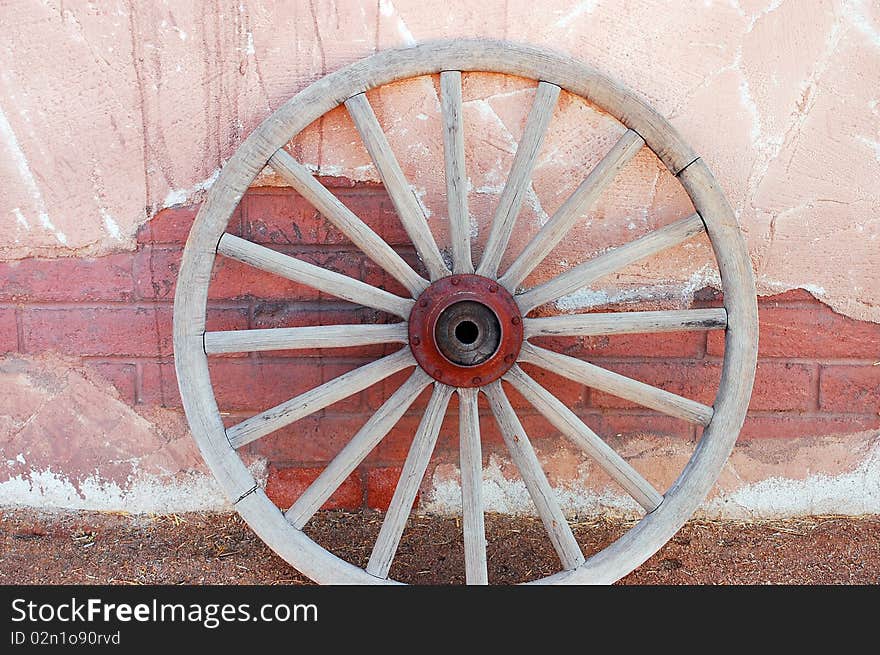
410,478
618,385
316,277
464,331
519,179
599,324
297,338
526,461
567,422
610,262
456,176
411,215
360,234
472,488
572,209
318,398
354,452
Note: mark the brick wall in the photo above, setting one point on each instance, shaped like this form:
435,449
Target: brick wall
818,372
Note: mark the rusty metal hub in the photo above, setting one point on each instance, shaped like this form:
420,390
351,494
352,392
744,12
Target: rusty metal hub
465,330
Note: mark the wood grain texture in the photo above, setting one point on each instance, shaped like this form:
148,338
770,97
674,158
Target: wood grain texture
519,179
572,209
526,461
296,338
456,175
610,262
408,209
567,422
322,279
356,450
608,323
360,234
471,458
618,385
318,398
411,477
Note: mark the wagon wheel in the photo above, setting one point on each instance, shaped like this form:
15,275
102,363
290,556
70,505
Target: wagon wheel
464,330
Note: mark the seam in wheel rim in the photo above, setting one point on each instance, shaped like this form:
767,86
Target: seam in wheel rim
236,176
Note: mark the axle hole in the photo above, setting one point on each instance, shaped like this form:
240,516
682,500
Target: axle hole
467,332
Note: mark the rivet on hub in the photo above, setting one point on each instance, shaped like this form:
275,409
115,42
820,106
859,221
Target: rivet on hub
477,380
416,341
516,320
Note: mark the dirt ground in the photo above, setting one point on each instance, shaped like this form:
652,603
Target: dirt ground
111,548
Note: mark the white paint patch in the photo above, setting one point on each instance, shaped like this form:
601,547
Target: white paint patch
506,496
874,145
588,298
249,48
110,225
27,177
387,9
854,493
857,14
181,196
586,7
748,103
184,492
20,219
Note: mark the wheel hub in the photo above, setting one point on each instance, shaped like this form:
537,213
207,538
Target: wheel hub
465,330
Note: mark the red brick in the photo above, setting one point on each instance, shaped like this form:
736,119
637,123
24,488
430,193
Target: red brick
143,331
381,483
624,424
776,426
69,279
173,225
137,331
695,380
851,389
248,384
382,391
285,485
313,440
155,272
121,375
8,331
809,332
784,387
284,217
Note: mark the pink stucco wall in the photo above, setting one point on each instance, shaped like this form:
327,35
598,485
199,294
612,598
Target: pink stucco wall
110,111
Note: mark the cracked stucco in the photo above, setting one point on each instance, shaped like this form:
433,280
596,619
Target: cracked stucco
137,106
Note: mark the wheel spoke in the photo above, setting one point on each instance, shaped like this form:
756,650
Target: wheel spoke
572,427
335,284
410,479
360,234
618,385
526,461
519,179
610,262
405,202
318,398
573,208
354,452
456,176
476,571
587,325
297,338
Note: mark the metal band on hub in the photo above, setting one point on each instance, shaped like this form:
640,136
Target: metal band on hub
465,330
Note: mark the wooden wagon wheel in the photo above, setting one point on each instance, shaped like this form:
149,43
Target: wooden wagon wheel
465,329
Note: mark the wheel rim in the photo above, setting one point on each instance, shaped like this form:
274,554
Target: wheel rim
722,423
